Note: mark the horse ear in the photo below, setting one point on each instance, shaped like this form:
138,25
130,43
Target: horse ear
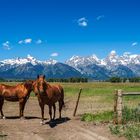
25,85
38,76
44,76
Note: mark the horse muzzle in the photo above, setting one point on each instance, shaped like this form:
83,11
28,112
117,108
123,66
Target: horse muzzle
41,92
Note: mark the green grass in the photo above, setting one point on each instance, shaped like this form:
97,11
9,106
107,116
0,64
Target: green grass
131,115
98,118
131,124
100,88
95,88
103,91
130,131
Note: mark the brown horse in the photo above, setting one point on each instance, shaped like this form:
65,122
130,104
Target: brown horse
19,92
48,94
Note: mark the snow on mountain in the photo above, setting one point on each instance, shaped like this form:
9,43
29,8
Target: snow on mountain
30,67
78,60
111,60
126,65
20,61
29,59
50,62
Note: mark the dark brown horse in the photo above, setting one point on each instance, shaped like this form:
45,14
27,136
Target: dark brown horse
48,94
19,92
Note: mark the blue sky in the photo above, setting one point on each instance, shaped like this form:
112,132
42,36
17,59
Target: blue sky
59,29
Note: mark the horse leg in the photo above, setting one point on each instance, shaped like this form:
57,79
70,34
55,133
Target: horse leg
21,107
54,109
42,112
50,112
60,108
1,105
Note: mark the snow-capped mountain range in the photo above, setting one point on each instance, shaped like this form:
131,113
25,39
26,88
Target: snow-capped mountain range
25,68
29,59
127,65
110,60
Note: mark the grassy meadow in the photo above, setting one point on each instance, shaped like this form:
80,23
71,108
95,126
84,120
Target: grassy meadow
98,95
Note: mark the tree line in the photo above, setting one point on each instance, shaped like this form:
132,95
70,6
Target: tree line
79,80
69,80
65,80
123,80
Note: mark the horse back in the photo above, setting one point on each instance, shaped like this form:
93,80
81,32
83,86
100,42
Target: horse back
55,92
13,93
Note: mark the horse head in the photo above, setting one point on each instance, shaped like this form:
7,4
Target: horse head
29,85
39,85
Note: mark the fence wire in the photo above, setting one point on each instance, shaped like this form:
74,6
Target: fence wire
131,109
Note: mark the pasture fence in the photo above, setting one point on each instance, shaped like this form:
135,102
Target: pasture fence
77,102
119,108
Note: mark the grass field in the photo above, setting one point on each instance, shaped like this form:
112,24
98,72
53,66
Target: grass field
101,93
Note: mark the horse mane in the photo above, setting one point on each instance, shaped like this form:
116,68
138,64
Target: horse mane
47,84
27,83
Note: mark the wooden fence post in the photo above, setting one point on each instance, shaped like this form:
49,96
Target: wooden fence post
115,106
119,106
74,113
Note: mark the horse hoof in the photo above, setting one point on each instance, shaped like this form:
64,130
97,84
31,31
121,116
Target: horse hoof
3,117
22,118
42,122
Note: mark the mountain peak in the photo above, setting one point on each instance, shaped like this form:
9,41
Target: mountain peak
74,57
111,60
29,57
113,52
50,62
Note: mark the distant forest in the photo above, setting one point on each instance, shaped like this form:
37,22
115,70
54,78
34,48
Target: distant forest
68,80
123,80
80,80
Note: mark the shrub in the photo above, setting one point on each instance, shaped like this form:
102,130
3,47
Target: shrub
131,132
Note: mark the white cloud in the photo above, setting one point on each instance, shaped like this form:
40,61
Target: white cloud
134,44
25,41
82,22
100,17
20,42
39,41
54,54
6,45
28,40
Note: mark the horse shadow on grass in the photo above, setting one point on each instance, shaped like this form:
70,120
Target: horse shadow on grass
56,122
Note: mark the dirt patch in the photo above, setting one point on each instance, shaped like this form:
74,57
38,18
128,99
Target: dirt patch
12,128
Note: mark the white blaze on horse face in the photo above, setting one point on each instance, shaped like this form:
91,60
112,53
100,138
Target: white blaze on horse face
41,85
